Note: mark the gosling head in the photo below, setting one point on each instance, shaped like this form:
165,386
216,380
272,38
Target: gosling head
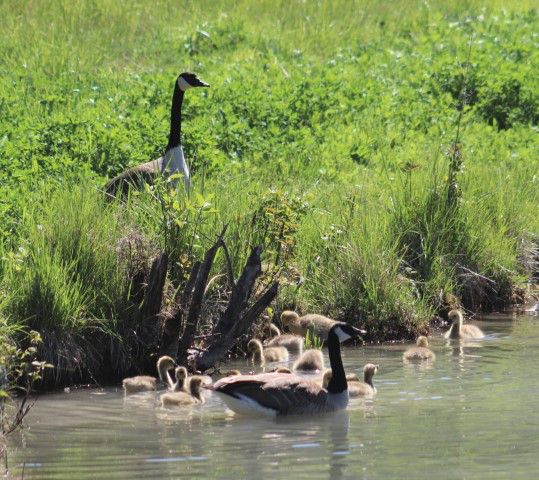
370,369
181,373
188,80
165,363
422,341
454,316
194,386
288,317
344,331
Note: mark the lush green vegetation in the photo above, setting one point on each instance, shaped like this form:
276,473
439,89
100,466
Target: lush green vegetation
327,136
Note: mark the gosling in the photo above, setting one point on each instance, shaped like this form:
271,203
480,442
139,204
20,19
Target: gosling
293,343
458,330
317,324
146,383
311,360
419,352
178,399
261,355
355,387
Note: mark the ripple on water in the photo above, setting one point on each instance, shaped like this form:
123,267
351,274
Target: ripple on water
469,414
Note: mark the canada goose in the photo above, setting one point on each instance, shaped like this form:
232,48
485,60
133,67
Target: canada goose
183,398
317,324
285,393
262,355
293,343
355,387
173,161
144,383
310,360
458,330
420,352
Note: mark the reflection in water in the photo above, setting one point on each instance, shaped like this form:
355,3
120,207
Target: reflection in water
469,414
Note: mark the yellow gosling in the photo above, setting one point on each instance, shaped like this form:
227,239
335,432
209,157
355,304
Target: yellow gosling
458,330
420,352
146,383
178,399
261,355
311,360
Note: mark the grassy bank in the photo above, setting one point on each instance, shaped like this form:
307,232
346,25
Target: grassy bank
327,136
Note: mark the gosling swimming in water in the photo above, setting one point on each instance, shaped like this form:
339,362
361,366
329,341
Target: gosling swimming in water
178,399
419,352
261,355
146,383
310,361
357,388
459,330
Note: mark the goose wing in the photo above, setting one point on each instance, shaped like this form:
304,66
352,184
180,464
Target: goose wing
280,393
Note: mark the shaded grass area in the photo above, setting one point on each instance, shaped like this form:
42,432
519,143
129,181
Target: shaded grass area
327,137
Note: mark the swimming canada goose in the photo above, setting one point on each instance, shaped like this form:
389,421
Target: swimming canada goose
355,387
178,399
311,360
293,343
285,393
173,160
317,324
458,330
262,355
145,383
420,352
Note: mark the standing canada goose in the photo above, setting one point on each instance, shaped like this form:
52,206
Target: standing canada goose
310,361
173,160
458,330
293,343
145,383
262,355
317,324
178,399
285,393
357,388
420,352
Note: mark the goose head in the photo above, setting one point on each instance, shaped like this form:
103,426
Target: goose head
422,341
194,386
190,80
181,376
344,331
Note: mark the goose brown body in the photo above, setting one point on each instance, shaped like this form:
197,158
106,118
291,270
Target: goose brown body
284,393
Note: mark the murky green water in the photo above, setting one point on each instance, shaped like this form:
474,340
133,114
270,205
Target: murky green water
473,414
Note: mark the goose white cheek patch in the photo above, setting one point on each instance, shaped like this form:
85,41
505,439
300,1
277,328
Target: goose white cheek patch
343,336
183,84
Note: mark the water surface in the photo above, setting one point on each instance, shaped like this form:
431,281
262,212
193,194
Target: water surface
471,414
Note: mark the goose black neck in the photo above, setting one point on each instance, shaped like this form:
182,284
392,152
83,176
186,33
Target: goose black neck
338,383
174,138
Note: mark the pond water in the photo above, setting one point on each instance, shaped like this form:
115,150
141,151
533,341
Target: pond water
472,414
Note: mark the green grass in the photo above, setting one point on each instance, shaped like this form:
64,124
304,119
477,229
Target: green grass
325,136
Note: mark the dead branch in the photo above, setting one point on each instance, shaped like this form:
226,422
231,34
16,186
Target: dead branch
195,306
231,324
